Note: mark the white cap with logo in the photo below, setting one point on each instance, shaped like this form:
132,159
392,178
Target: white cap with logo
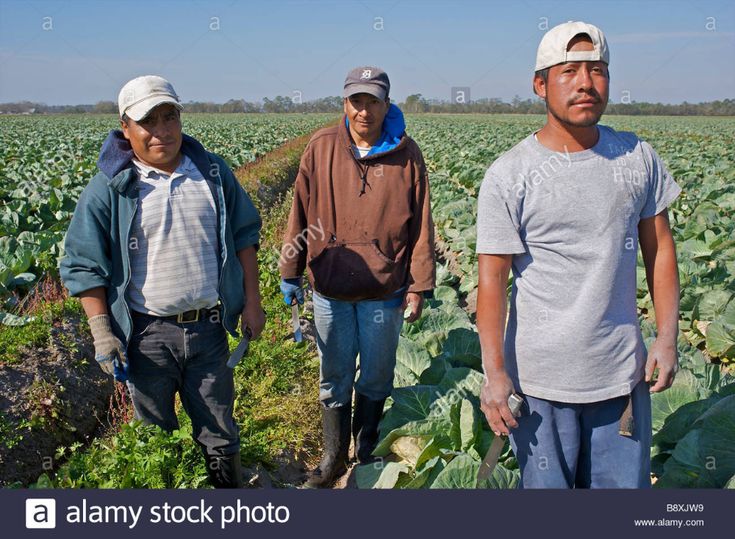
142,94
553,47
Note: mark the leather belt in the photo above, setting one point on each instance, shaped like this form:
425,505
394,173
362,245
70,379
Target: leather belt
186,317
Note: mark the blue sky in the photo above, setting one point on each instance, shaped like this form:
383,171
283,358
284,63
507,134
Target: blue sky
83,51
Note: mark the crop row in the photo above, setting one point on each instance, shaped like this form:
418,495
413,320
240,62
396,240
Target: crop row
45,162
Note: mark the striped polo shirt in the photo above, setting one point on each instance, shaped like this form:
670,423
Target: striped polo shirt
173,242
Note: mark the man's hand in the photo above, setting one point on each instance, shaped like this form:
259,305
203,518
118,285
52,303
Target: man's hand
108,349
664,357
416,303
253,317
292,291
494,394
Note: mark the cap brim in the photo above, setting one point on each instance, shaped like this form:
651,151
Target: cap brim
572,56
371,89
140,110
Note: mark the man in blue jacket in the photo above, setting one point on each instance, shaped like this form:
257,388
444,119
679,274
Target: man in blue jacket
162,252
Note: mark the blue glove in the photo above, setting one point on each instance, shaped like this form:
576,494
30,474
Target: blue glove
292,291
121,369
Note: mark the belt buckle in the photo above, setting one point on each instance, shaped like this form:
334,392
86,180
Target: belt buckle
182,318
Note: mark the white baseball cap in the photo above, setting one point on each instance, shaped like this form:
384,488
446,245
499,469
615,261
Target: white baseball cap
142,94
553,47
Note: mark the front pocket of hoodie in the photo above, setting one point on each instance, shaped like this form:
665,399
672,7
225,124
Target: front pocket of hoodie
354,271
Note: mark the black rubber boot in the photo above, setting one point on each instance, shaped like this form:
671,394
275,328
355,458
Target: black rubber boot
225,471
365,427
336,432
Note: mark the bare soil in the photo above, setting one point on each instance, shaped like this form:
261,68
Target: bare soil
52,397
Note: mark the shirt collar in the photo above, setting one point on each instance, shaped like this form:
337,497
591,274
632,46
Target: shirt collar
146,171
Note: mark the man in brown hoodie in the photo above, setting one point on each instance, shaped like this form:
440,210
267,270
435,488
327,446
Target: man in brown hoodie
361,223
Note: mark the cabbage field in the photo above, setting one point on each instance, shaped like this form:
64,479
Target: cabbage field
45,162
433,434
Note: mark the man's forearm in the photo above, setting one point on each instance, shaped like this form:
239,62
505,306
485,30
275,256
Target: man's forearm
664,289
249,262
491,312
662,274
94,301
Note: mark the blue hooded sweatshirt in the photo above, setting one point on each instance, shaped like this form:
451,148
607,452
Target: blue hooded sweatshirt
96,253
394,127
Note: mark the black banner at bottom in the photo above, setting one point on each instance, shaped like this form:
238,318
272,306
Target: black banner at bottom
371,514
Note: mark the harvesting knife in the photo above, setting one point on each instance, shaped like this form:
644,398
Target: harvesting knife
297,336
496,447
241,349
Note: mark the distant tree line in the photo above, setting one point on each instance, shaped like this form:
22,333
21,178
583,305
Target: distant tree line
415,103
277,104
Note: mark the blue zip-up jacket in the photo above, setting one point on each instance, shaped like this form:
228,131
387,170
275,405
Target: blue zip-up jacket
97,239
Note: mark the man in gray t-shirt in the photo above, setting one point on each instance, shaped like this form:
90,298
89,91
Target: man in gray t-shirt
566,208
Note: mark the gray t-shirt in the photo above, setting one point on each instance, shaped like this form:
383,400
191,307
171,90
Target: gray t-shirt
571,222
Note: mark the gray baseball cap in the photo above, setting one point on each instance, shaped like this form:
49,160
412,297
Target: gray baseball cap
367,80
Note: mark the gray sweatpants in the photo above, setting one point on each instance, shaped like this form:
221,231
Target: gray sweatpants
167,357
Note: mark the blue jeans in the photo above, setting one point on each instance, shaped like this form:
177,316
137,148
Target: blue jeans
561,445
190,359
344,329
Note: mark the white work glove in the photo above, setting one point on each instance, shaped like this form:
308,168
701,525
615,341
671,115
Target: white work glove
108,349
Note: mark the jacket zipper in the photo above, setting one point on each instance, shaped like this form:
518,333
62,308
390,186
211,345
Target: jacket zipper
223,245
130,271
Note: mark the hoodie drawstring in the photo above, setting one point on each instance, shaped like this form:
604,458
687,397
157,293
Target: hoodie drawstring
363,176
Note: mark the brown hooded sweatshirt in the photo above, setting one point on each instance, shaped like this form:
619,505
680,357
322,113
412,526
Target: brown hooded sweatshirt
362,226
